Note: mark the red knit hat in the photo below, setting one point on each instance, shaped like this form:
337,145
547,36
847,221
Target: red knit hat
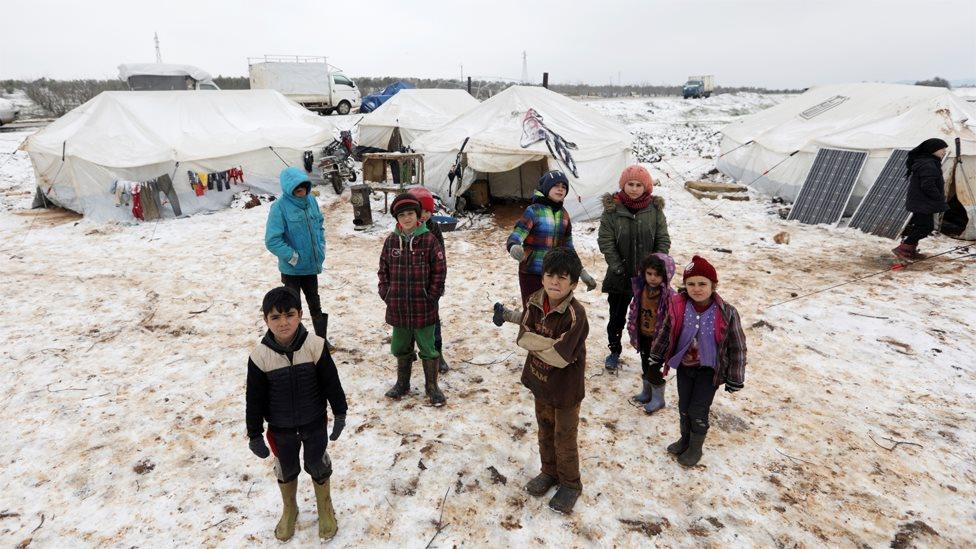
700,266
637,173
424,196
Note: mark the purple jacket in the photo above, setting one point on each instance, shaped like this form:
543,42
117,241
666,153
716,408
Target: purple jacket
637,283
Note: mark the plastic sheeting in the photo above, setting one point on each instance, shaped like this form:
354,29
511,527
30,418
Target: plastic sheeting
415,112
373,101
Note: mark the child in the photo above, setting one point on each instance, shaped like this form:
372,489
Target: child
652,293
702,338
544,225
295,234
411,280
554,330
290,376
925,196
427,207
632,226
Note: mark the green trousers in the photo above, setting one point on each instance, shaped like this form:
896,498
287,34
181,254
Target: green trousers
401,344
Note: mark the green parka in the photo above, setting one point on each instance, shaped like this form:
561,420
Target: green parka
626,238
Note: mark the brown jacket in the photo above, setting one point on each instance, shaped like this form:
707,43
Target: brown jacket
554,367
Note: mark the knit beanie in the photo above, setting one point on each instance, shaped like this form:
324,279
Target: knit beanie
700,266
640,174
551,179
424,196
404,202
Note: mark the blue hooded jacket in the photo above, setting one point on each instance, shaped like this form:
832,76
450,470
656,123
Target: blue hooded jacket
295,225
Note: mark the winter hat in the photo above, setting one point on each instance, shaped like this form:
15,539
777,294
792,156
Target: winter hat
550,179
640,174
404,202
425,197
700,266
291,178
925,148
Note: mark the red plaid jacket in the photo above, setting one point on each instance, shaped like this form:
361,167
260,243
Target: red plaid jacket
411,278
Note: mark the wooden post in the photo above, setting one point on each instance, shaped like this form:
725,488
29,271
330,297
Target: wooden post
545,80
469,85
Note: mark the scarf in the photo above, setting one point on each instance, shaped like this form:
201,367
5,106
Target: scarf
634,204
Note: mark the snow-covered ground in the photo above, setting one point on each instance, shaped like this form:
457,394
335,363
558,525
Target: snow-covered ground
125,351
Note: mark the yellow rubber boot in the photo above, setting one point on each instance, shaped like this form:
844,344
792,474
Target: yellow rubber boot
289,513
328,527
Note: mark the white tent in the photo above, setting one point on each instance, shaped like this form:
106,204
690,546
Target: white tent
494,152
138,136
876,118
413,112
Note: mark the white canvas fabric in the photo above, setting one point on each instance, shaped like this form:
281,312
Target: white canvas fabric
415,112
876,118
137,136
495,131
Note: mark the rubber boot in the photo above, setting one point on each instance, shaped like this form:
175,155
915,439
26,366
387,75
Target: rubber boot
540,485
328,527
906,251
612,362
430,383
645,395
320,324
657,399
289,514
441,363
679,446
564,500
402,387
693,454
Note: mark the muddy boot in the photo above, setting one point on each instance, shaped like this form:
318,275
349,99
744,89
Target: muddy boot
328,527
645,395
289,514
657,399
442,364
564,500
540,485
430,383
693,454
906,251
402,387
612,362
679,446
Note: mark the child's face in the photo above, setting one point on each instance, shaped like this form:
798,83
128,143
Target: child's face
634,189
653,278
407,220
424,216
558,286
558,192
699,288
283,325
300,191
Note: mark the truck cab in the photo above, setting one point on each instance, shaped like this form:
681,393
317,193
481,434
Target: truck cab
165,77
698,86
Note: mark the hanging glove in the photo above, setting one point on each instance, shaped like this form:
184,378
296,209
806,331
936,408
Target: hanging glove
258,447
338,424
517,252
294,259
588,280
732,386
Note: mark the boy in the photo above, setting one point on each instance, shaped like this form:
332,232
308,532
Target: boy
702,339
290,376
427,207
411,281
295,235
554,330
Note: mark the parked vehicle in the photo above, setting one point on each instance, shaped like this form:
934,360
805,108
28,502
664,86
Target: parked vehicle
310,81
8,111
698,86
336,161
165,77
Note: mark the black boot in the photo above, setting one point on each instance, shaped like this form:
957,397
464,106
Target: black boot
540,485
679,446
442,364
402,387
430,382
320,324
693,454
564,500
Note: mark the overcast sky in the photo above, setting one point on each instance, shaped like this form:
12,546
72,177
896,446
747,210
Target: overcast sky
771,43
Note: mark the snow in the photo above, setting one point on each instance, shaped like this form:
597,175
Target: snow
126,349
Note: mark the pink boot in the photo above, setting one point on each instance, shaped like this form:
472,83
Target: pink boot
905,251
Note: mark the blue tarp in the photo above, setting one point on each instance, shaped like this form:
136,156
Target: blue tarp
372,101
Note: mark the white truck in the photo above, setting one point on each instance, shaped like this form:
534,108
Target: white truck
309,81
698,86
165,76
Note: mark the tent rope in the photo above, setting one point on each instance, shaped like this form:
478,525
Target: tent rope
279,156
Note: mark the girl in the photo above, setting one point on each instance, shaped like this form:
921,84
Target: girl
633,225
652,293
702,337
544,225
926,194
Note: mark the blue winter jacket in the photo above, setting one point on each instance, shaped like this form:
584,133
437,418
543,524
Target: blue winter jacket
295,225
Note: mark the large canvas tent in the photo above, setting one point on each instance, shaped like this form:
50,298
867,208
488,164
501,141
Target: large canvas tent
494,151
410,114
138,136
875,118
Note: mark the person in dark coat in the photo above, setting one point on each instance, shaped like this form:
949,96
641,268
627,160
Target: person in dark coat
926,194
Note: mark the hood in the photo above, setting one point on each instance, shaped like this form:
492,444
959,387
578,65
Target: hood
291,178
637,282
610,202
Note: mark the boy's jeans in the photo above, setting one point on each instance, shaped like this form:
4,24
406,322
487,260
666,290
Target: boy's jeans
558,448
401,343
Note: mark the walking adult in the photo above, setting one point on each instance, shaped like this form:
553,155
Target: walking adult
926,194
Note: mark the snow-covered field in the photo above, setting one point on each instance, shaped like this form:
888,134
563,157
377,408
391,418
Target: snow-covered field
125,352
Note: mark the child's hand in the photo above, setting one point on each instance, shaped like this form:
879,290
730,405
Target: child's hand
338,424
517,252
294,259
732,386
258,447
588,280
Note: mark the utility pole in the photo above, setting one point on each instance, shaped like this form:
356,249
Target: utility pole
525,68
159,56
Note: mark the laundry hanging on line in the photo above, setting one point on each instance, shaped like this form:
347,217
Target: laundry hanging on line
201,182
144,196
